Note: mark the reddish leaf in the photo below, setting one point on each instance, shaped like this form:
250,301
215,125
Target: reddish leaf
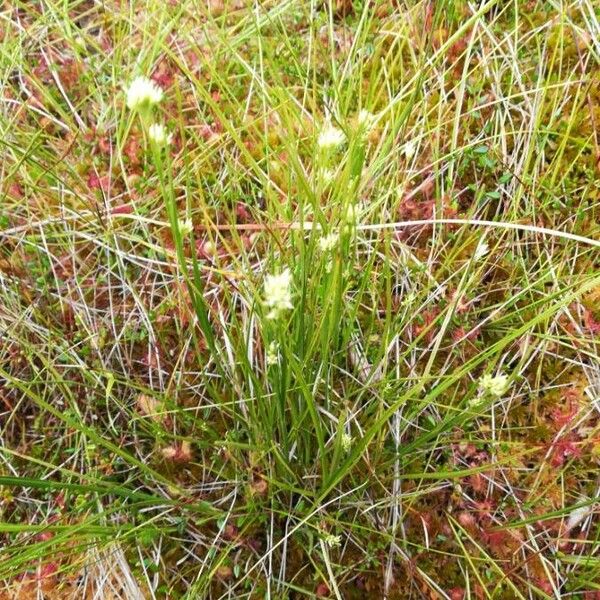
122,209
96,182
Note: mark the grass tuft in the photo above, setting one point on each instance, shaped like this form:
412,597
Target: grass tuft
299,299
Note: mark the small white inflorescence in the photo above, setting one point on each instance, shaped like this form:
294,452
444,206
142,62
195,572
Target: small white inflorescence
328,242
481,250
409,149
278,293
366,120
158,134
495,385
331,137
327,176
272,355
143,93
185,227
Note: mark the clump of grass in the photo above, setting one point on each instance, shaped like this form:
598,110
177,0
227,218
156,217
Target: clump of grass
299,300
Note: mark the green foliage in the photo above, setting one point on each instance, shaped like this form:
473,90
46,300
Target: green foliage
412,411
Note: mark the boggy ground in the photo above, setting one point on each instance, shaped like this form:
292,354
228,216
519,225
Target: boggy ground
411,411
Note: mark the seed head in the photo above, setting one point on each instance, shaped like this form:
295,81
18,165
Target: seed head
333,541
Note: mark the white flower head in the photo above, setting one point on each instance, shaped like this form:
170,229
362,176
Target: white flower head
185,227
481,250
409,149
331,137
158,134
328,242
278,293
272,356
494,385
366,120
143,93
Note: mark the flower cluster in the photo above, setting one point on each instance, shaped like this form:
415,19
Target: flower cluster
481,250
185,227
409,149
347,441
143,93
272,355
158,134
277,293
331,137
327,243
366,120
494,385
333,541
141,96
